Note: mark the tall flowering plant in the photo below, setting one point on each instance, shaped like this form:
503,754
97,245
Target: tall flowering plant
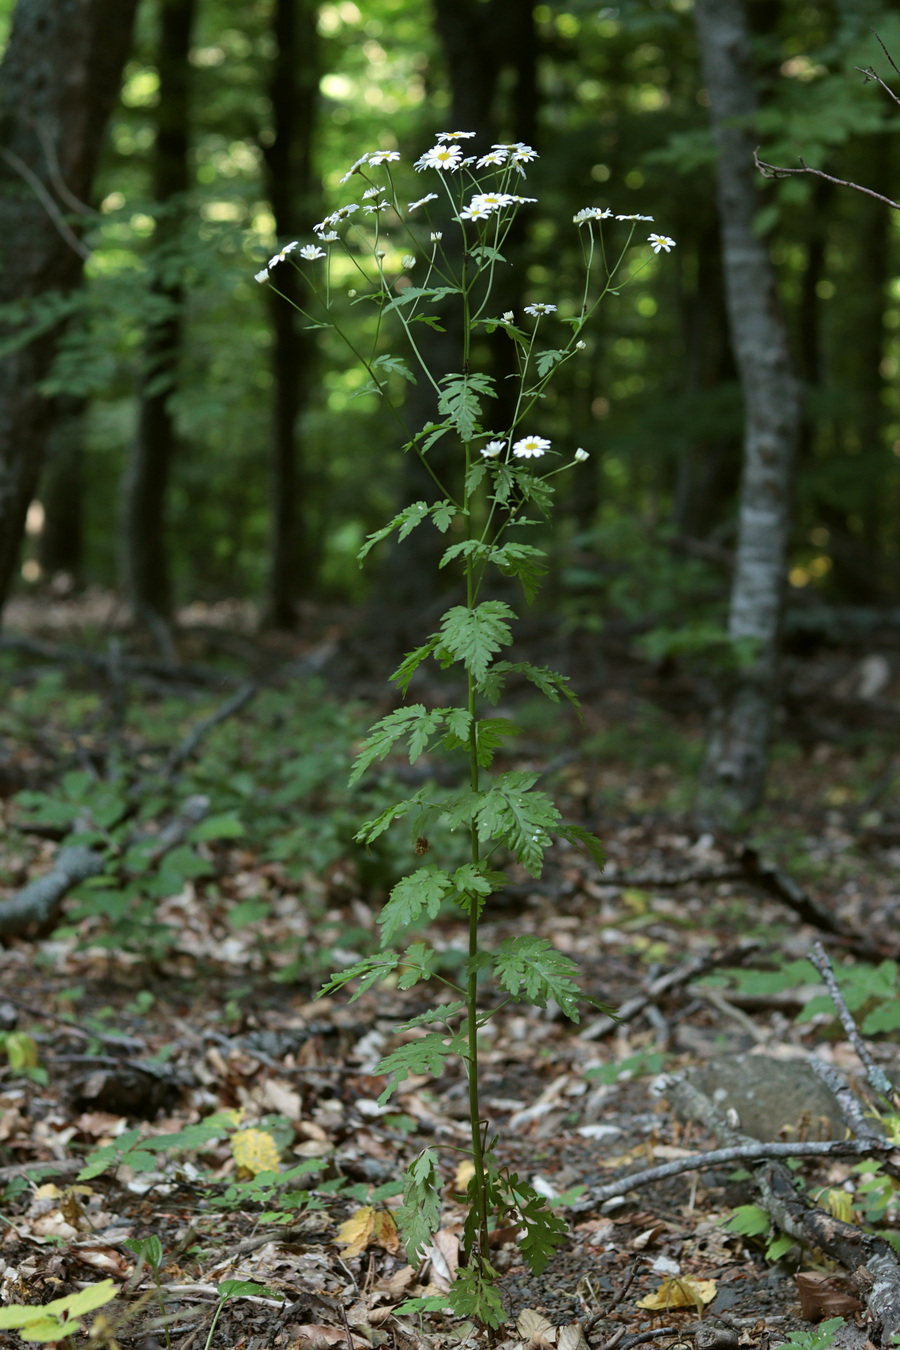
501,481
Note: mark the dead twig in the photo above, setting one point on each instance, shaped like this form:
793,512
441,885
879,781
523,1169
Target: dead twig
878,1079
782,171
751,1150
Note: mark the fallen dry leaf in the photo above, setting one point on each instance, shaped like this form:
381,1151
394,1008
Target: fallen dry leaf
535,1328
368,1227
679,1292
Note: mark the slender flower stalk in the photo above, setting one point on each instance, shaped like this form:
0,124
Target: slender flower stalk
505,482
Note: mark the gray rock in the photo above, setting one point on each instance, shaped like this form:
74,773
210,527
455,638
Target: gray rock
773,1098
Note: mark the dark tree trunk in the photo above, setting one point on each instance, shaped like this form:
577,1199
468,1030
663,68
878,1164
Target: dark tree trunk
145,553
293,92
707,473
737,753
855,511
61,544
58,82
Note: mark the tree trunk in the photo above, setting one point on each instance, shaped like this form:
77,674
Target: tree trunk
293,92
737,754
145,554
58,82
61,543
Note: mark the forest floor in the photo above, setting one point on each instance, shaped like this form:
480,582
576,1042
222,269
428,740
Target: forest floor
222,1030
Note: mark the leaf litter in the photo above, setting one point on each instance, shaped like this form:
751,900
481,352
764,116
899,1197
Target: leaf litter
293,1185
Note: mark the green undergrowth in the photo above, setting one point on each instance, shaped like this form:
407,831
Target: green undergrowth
275,776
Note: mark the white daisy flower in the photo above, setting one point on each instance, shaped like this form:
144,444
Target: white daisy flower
660,241
280,257
439,157
436,236
581,455
522,153
520,201
372,192
492,200
493,159
384,156
493,449
329,236
537,310
311,251
455,135
590,213
262,276
530,447
363,159
407,260
507,317
429,197
580,345
372,208
474,212
650,218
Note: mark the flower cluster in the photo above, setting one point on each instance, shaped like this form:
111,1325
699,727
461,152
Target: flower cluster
447,157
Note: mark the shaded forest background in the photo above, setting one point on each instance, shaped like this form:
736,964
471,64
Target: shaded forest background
613,100
203,446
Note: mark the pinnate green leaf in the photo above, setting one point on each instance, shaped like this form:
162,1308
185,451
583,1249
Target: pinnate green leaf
585,840
413,721
396,365
419,1216
473,635
421,891
460,401
532,966
544,1232
548,681
411,662
426,1056
515,815
373,828
368,971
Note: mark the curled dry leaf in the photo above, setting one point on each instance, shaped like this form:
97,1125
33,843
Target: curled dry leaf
535,1328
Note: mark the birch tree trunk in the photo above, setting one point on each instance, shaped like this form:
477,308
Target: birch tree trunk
58,82
737,753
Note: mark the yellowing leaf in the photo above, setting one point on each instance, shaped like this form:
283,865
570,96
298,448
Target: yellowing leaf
356,1233
368,1227
464,1174
385,1232
255,1151
680,1293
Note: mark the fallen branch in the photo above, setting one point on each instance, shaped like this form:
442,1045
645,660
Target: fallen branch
872,1261
878,1079
34,910
749,1151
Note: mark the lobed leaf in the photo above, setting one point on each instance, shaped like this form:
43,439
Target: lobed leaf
473,635
422,890
532,966
419,1216
515,815
427,1055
